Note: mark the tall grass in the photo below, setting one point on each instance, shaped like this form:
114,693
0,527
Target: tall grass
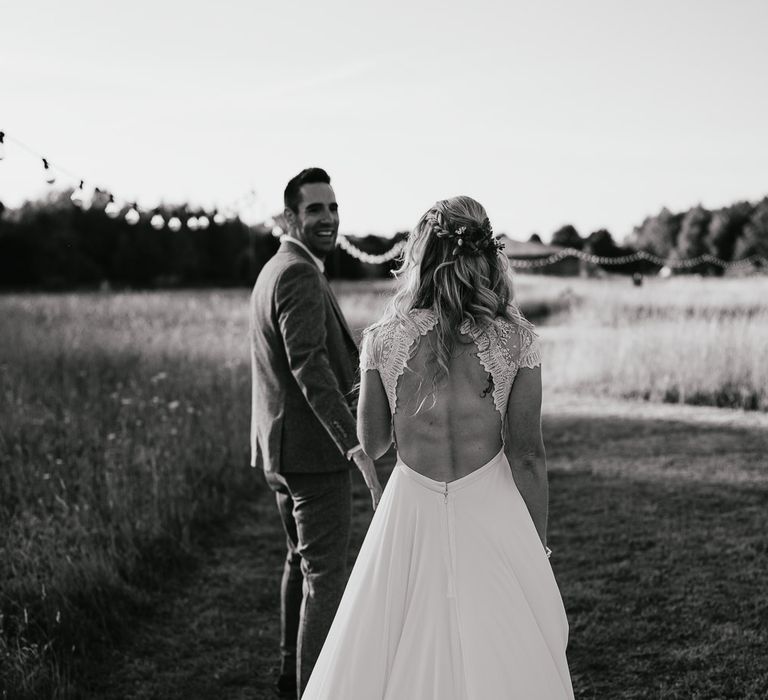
716,362
616,297
682,340
685,340
123,426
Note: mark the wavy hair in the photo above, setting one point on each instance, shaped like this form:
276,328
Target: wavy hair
474,286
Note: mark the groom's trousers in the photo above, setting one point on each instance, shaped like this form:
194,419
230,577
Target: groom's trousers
316,511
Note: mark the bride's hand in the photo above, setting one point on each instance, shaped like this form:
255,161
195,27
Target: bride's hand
368,470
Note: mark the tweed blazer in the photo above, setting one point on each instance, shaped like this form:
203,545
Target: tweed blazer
304,366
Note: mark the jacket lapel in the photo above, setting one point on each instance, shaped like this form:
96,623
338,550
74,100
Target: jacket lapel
291,249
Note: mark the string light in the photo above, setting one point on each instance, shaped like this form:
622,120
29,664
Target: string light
112,210
78,196
686,263
368,258
132,216
230,213
157,221
273,225
50,178
396,249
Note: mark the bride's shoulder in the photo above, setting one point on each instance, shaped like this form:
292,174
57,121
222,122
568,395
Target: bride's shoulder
379,330
519,338
376,339
394,336
514,323
414,322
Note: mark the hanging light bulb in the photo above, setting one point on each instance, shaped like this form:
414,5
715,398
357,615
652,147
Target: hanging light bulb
112,210
157,221
2,145
192,224
174,223
219,219
132,216
78,196
99,197
50,178
203,222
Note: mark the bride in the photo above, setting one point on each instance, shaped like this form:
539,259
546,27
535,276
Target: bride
452,596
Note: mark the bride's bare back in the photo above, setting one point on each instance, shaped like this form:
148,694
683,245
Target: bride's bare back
448,434
462,430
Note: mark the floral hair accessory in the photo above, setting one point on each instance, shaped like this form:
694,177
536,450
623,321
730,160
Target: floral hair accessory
473,239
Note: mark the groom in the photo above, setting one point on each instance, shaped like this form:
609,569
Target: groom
303,433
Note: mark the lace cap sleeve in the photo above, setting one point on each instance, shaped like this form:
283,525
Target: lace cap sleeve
388,347
530,352
370,351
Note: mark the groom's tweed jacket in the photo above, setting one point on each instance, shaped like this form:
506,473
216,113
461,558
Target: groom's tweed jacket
304,365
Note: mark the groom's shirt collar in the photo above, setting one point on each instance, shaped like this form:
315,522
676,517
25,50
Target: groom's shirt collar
286,237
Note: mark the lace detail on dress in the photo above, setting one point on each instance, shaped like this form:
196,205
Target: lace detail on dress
530,354
502,348
389,347
368,358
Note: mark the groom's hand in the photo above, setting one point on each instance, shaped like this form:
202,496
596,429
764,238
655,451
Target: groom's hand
365,464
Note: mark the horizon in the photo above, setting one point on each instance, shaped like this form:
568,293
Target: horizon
596,116
272,220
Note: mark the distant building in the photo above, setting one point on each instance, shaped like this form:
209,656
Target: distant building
530,251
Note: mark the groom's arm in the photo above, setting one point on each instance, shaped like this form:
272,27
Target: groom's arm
300,307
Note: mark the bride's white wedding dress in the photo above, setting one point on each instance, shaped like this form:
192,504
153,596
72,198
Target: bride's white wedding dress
452,596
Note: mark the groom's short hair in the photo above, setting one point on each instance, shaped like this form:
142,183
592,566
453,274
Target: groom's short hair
292,194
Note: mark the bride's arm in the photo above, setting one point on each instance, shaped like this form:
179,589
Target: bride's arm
374,425
525,446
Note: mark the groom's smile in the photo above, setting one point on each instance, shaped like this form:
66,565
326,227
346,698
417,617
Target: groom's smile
317,219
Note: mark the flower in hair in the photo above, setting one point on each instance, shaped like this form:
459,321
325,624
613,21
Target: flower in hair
472,239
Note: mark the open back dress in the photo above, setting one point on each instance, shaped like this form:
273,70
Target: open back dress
452,596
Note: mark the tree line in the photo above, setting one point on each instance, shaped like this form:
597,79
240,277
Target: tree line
730,233
52,244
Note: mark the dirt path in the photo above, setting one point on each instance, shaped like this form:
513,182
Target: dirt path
216,636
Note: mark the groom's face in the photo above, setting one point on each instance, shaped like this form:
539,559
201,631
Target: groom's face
316,224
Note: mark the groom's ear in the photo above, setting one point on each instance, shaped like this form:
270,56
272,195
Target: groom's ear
290,219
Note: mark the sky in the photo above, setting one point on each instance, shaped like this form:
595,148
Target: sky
591,112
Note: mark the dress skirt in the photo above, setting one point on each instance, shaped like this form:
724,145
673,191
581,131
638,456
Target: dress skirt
451,598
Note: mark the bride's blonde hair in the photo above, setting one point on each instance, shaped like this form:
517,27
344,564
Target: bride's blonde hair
459,282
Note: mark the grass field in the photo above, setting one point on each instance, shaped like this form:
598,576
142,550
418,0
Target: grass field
123,439
123,425
657,523
683,340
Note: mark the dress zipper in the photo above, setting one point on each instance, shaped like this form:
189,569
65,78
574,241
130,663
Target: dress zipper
449,544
